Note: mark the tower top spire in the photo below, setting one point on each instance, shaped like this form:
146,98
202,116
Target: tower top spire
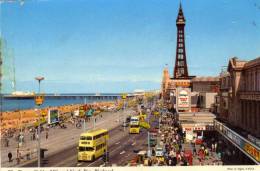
180,18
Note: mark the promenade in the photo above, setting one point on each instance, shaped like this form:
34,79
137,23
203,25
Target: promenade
58,138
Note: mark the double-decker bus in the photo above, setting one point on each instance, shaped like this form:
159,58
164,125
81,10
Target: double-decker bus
134,125
134,129
92,144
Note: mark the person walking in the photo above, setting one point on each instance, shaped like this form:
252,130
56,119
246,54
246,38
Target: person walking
10,156
7,142
47,135
194,151
212,147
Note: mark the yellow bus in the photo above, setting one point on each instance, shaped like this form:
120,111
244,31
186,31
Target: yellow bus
92,144
134,129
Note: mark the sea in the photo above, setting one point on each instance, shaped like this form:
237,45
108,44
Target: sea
11,104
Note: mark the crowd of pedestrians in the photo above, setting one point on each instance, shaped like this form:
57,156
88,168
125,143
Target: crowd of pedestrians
177,151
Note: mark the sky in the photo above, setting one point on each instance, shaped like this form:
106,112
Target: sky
110,46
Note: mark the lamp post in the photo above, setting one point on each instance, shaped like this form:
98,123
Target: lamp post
39,79
124,114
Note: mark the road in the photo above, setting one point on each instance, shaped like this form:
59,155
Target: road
59,139
121,146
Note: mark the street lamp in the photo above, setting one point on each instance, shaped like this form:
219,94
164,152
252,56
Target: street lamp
39,79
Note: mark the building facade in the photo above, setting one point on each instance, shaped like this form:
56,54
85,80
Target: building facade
240,95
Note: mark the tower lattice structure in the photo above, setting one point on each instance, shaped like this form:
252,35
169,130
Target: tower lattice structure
180,69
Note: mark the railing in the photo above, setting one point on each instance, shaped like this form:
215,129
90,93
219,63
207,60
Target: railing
26,156
247,147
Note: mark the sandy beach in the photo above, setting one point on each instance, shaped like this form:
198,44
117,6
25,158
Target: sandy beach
24,118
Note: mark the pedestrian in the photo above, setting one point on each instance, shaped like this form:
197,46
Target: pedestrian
212,147
216,145
200,161
194,151
180,146
47,135
206,152
33,136
7,142
10,156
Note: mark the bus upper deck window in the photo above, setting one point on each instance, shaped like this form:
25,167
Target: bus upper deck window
89,138
86,138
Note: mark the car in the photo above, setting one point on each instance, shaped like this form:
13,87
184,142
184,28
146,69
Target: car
159,152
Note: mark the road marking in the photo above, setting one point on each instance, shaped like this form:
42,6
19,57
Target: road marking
94,162
115,149
118,142
122,152
79,164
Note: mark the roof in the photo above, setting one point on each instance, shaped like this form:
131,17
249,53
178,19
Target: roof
180,18
93,132
236,64
252,63
205,79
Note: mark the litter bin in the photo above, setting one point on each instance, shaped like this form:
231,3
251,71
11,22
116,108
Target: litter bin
42,150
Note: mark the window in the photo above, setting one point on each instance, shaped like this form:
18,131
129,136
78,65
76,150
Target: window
180,63
180,56
181,71
180,40
86,138
86,149
134,126
180,50
180,45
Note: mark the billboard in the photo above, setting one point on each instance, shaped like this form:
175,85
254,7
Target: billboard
183,99
53,116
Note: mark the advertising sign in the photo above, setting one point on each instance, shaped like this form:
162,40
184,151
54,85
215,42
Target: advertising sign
252,151
183,99
245,145
53,116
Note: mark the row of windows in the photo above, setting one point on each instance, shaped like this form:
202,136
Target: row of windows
100,146
225,82
252,81
250,110
100,135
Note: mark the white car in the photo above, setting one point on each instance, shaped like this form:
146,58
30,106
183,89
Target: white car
159,152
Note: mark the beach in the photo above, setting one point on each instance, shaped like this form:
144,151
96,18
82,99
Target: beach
24,118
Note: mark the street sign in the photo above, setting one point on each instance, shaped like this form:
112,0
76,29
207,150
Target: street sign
39,99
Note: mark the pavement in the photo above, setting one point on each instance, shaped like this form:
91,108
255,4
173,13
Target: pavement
212,158
58,140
